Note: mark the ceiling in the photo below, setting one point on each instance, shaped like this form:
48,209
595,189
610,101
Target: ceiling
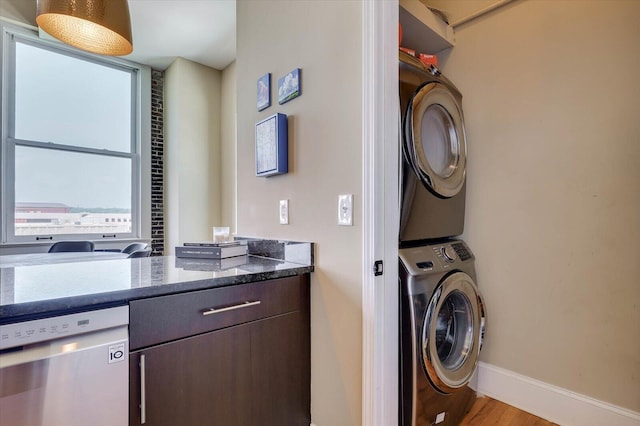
457,11
202,31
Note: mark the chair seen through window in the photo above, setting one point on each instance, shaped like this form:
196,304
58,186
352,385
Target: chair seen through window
140,253
134,247
71,246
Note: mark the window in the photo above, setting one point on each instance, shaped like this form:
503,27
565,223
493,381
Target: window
72,136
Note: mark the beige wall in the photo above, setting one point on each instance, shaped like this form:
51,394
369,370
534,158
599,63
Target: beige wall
553,123
324,40
21,11
228,148
192,152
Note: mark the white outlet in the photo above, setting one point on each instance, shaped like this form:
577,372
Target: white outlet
345,209
440,417
284,212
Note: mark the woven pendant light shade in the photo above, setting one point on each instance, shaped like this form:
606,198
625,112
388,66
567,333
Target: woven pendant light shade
98,26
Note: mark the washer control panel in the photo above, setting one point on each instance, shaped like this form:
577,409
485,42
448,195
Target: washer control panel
444,260
450,253
435,257
462,251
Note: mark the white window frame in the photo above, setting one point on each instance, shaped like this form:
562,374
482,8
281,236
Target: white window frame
140,154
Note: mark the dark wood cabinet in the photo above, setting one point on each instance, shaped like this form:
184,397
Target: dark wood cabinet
278,372
254,369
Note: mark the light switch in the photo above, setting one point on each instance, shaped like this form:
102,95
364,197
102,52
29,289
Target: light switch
345,209
284,212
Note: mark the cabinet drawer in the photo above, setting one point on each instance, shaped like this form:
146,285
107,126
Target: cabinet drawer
166,318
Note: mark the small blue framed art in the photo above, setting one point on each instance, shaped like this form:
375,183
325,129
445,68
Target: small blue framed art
289,86
264,91
272,157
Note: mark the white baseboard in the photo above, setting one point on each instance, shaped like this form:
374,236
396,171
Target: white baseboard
550,402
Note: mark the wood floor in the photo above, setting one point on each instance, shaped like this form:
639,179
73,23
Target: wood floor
489,412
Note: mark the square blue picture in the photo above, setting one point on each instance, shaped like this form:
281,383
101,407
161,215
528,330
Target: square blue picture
264,92
289,86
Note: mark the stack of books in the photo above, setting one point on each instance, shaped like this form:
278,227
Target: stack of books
208,265
212,250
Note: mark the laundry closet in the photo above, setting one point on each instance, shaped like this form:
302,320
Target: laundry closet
552,206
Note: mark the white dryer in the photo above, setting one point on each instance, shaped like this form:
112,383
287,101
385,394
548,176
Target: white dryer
442,323
434,154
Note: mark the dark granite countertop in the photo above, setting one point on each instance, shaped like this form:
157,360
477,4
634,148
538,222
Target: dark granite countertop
36,291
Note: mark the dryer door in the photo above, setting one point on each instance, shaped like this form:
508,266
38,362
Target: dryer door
452,332
436,146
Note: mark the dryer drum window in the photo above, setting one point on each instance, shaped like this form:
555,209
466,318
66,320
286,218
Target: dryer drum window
440,141
454,330
452,333
438,147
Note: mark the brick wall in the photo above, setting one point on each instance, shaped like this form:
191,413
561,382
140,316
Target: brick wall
157,163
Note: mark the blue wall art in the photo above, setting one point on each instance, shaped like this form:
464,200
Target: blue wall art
289,86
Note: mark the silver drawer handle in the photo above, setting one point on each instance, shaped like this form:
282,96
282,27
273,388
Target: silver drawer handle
143,391
231,308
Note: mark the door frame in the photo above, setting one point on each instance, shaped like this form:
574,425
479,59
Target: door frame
380,211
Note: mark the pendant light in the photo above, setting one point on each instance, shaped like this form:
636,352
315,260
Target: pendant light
98,26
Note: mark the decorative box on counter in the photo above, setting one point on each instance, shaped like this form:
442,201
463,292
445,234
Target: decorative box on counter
211,250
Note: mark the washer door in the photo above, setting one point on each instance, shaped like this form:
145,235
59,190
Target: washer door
452,332
436,144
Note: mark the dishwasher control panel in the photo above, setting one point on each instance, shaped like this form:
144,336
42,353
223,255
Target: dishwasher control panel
30,332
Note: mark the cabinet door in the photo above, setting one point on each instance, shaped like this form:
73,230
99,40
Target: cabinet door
201,380
280,371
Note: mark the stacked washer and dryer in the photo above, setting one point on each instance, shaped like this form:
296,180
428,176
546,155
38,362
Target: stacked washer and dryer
441,309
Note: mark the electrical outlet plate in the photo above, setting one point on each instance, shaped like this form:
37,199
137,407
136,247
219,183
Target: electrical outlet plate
345,210
284,212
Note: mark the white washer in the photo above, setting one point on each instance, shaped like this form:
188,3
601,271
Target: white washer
442,322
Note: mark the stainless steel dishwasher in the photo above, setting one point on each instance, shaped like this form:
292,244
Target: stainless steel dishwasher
66,370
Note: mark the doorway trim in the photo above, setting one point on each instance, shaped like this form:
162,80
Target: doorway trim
380,206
